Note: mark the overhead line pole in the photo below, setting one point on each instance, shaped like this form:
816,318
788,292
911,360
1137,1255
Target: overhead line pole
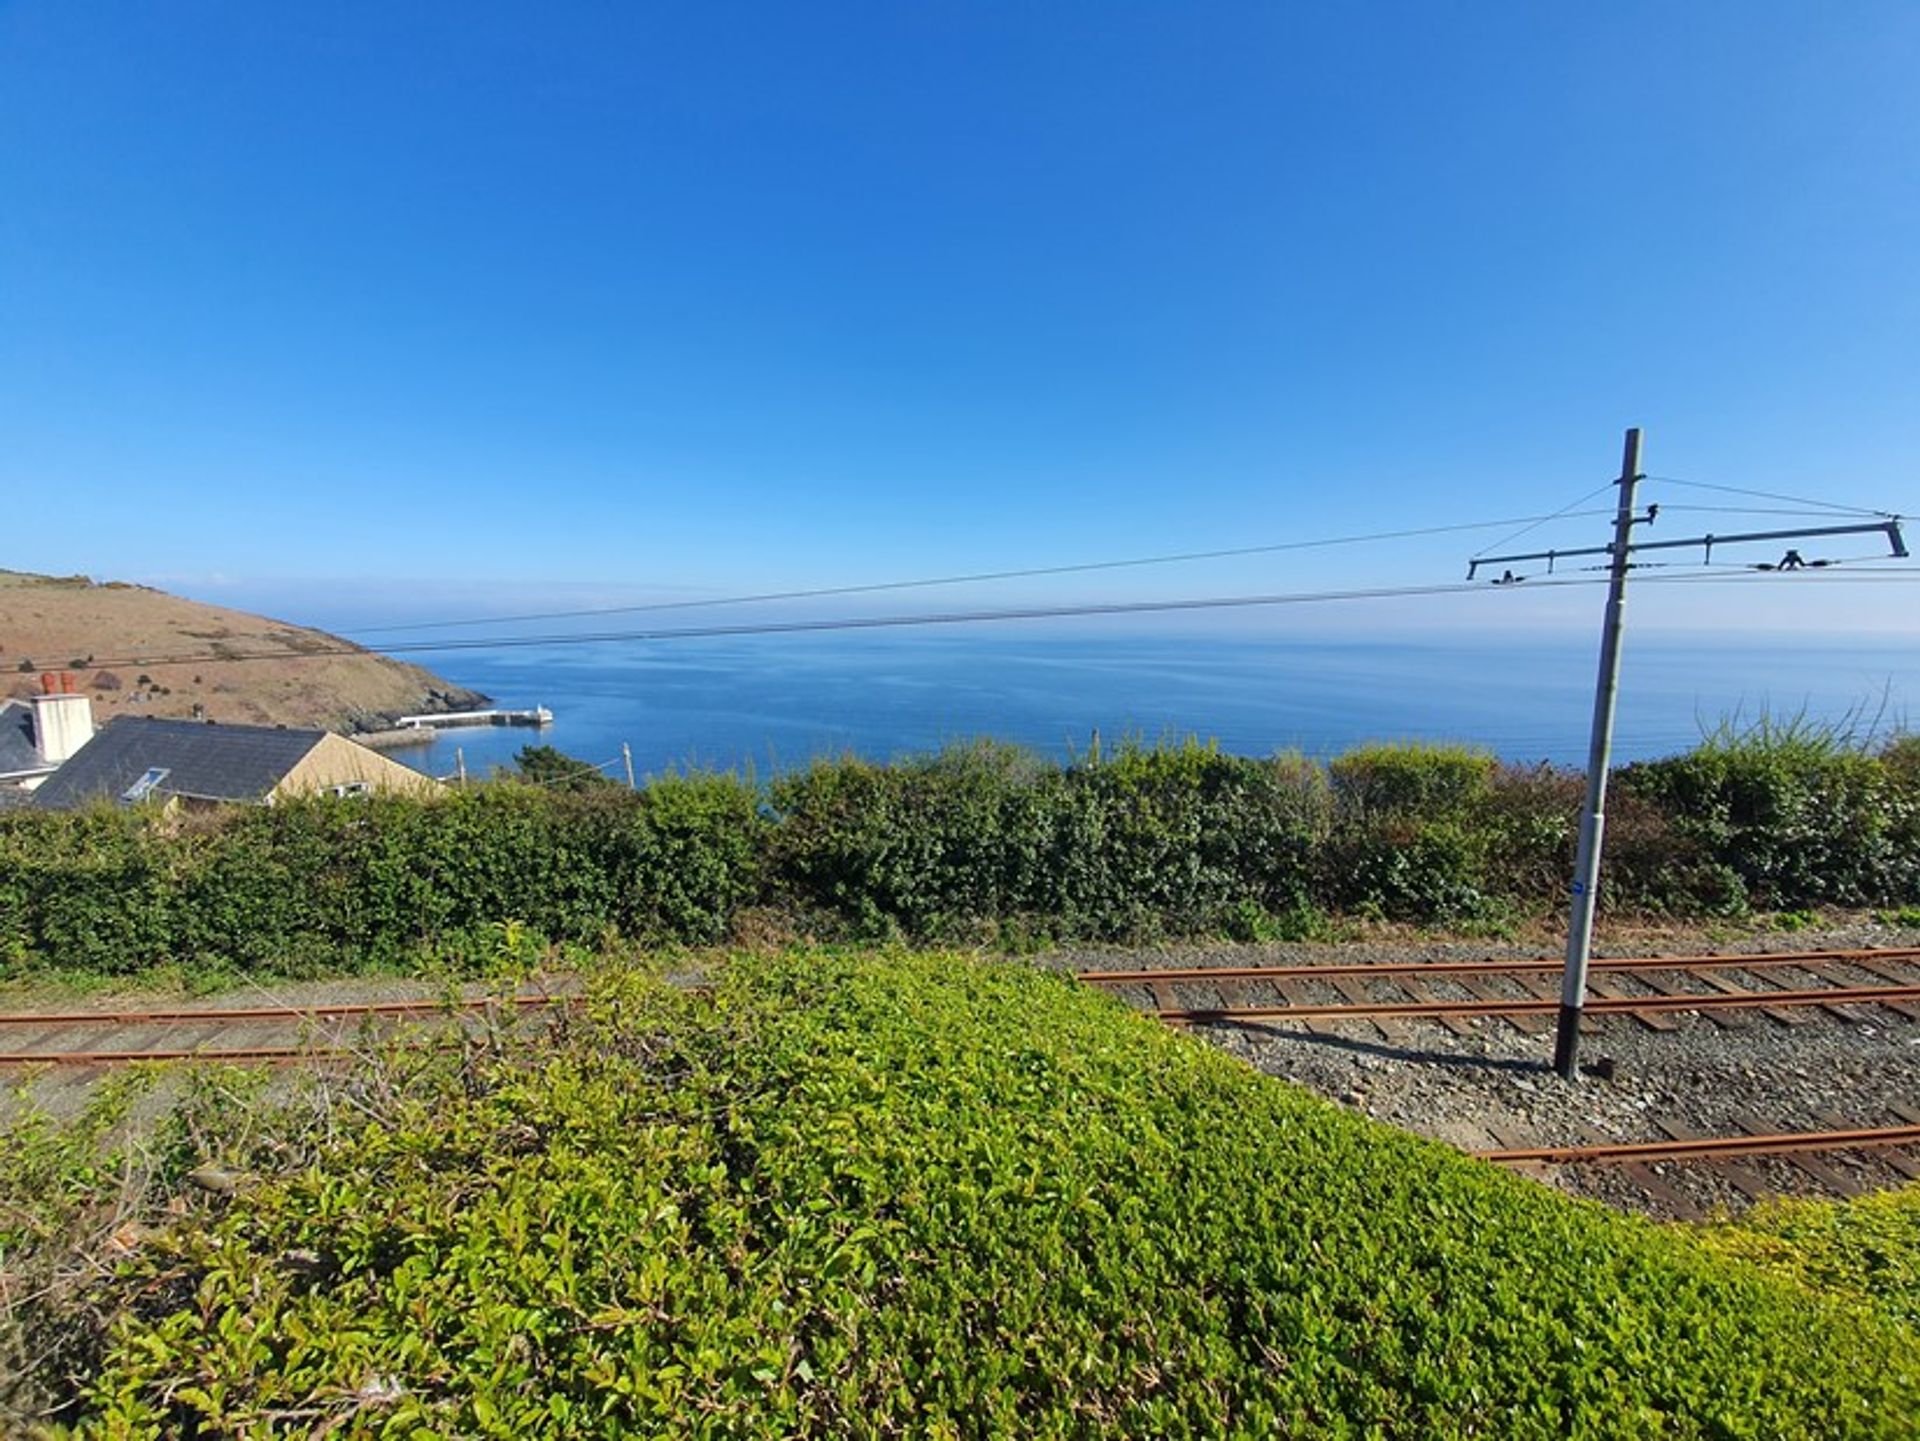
1593,821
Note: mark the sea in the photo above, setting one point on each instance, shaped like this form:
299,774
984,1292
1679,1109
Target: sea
763,705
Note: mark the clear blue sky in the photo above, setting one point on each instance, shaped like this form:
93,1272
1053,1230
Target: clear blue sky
609,299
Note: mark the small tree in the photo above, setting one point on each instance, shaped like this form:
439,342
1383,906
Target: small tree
556,770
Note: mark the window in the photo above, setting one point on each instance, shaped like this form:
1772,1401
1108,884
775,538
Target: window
143,787
349,788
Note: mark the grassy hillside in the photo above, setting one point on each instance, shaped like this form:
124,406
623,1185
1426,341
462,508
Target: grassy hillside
67,623
893,1195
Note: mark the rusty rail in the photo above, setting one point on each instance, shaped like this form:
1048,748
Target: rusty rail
1753,961
1598,1005
1707,1147
211,1014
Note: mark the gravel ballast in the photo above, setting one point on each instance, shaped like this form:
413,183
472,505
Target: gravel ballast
1488,1084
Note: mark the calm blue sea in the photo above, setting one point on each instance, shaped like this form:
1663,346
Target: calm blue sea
773,703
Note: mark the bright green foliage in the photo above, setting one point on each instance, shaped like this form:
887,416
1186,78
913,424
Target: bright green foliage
1867,1248
71,1187
925,1196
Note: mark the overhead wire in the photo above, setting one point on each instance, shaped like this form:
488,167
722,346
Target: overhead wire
844,623
1566,512
1824,505
965,617
1666,507
976,577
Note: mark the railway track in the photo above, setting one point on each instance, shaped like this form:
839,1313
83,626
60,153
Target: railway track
1709,1148
276,1034
1649,989
1844,1159
1782,986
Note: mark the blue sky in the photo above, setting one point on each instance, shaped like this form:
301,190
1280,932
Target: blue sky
409,303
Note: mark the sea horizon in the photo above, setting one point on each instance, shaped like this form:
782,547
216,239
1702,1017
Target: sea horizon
769,704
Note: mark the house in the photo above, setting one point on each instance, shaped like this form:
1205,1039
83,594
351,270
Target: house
41,732
197,763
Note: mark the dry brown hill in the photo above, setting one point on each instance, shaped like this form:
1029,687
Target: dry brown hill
50,623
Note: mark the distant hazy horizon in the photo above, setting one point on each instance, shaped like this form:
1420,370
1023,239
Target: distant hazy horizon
770,703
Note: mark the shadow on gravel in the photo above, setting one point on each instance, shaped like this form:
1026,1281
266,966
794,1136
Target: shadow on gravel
1393,1053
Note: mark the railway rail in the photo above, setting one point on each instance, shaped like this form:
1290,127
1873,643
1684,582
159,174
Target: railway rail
1650,989
1844,1159
241,1034
1709,1148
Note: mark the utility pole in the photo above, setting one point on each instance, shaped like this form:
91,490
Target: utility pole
1593,821
626,754
460,766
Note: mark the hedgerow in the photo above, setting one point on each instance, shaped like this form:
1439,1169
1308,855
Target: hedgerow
978,843
1795,811
912,1195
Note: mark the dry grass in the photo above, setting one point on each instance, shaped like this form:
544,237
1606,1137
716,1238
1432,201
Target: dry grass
77,625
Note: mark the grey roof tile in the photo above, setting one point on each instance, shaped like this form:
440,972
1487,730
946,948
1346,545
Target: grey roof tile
209,762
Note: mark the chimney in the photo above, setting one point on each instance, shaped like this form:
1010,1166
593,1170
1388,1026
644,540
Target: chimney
62,719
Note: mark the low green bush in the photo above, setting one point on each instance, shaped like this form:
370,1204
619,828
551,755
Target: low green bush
1867,1248
1144,841
1798,812
1413,779
912,1195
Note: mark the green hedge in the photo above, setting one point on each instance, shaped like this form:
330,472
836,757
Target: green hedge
981,842
918,1196
368,883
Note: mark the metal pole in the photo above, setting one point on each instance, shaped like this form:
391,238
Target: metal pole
626,754
460,765
1586,870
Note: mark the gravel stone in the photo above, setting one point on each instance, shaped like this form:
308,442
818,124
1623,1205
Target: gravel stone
1490,1085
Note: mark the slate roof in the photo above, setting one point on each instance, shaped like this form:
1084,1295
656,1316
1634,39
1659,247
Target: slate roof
207,762
17,752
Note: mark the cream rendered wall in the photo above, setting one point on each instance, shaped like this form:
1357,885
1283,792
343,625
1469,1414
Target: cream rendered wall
337,761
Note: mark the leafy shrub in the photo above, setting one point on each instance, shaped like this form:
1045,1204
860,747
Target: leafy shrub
370,882
1901,756
1531,817
1144,841
550,766
1412,778
1867,1248
1654,862
1801,815
921,1196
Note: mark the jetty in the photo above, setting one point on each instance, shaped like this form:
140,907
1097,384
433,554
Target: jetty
539,716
